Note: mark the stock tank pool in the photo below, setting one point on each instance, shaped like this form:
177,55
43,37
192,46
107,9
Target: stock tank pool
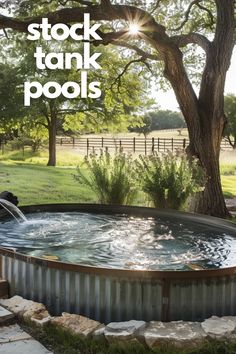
113,263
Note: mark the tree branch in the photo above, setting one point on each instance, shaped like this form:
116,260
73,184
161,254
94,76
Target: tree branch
43,124
218,61
133,47
47,2
97,13
186,17
230,141
194,38
225,20
118,78
106,5
70,110
5,33
82,2
208,12
155,6
188,11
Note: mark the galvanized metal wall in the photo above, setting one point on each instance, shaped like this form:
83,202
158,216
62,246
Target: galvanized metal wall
109,298
102,298
197,299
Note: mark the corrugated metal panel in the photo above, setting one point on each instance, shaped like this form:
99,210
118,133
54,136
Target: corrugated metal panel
102,298
202,298
109,298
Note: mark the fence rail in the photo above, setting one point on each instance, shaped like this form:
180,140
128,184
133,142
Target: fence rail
137,145
133,145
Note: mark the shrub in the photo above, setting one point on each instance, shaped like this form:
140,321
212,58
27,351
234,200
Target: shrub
169,179
111,178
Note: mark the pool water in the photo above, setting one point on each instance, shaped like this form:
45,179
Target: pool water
119,241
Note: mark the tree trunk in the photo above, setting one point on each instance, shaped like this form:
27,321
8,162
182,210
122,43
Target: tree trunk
205,144
204,115
205,123
211,200
52,131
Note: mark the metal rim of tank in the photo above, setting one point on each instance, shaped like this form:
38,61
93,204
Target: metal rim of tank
119,272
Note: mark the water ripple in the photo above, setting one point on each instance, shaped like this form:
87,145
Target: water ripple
121,241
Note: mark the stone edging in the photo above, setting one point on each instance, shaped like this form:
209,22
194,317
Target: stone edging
155,333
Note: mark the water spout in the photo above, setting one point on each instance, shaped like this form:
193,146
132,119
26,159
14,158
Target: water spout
12,210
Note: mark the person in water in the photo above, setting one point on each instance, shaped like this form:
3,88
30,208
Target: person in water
10,197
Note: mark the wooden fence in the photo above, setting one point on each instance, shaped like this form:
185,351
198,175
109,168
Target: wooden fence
134,145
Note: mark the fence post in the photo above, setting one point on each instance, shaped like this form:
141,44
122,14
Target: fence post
153,144
120,145
184,143
158,144
172,144
102,142
134,143
145,146
73,142
87,146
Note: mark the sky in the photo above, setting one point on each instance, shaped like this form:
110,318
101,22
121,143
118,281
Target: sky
167,100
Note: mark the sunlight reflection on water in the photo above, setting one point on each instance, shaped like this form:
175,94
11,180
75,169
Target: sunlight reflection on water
121,241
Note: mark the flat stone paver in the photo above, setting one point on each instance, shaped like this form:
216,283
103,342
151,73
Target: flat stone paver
5,315
29,346
14,340
219,327
77,324
24,308
178,333
12,333
123,331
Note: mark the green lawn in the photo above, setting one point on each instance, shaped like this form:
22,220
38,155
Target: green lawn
34,183
229,186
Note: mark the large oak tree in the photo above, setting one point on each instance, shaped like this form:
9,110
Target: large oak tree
166,29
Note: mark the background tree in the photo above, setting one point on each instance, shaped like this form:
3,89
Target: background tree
165,119
165,33
158,120
121,96
230,111
145,127
32,133
124,98
10,97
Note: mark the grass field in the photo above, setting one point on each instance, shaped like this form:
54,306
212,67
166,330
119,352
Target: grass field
37,184
229,186
33,182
